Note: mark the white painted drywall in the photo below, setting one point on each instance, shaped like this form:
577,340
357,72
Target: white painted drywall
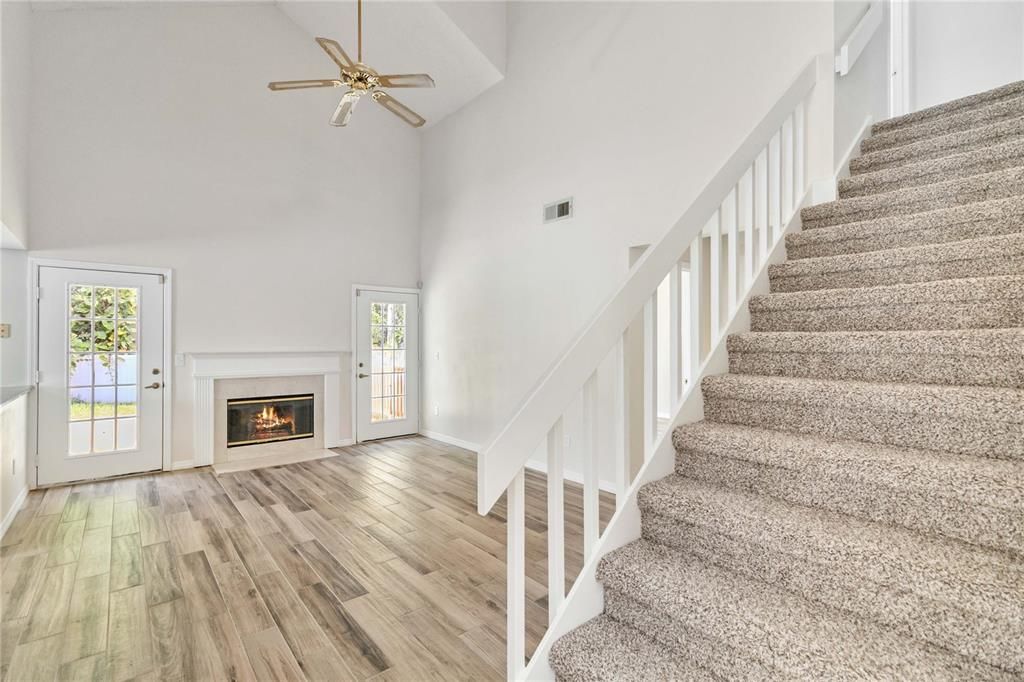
485,23
14,356
156,142
864,91
629,108
960,48
15,19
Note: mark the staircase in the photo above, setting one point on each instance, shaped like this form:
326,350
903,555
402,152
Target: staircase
852,504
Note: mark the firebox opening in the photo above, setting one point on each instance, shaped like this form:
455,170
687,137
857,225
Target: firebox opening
269,419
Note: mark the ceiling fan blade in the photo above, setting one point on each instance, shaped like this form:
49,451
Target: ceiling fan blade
407,80
398,109
345,108
334,51
295,85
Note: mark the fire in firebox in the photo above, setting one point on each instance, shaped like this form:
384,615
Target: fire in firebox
268,419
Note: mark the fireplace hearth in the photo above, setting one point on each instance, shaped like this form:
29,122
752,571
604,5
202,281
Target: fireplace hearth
269,419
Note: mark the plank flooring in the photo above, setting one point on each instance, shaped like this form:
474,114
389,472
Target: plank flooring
372,564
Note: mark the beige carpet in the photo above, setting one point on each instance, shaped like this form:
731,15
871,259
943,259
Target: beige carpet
852,505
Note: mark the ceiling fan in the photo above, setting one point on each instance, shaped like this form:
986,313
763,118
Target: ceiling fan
361,81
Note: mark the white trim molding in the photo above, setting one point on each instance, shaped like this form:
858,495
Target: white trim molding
13,511
451,440
208,367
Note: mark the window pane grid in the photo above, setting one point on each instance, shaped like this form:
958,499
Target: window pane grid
102,379
387,361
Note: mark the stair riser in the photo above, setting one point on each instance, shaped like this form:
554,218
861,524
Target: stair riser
844,492
991,314
844,582
950,370
973,190
972,102
937,172
988,266
978,436
737,646
994,113
704,648
953,225
938,148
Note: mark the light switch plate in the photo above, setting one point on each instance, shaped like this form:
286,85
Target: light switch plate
5,331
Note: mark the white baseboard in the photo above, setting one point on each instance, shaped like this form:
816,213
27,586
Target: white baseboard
451,440
574,476
183,464
13,511
342,443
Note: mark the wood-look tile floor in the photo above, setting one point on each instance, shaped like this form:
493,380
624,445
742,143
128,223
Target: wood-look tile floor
370,565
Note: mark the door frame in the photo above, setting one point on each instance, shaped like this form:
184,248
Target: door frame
899,58
34,265
354,348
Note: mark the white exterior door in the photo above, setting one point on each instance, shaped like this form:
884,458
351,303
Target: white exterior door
387,364
101,374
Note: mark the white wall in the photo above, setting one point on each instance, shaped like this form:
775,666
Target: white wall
960,48
15,19
14,358
619,105
156,142
864,91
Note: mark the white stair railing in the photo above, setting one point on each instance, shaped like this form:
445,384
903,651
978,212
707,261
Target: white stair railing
746,206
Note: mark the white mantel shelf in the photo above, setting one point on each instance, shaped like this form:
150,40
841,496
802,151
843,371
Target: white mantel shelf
208,367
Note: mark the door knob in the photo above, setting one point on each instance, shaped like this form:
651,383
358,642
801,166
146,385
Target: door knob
362,376
155,384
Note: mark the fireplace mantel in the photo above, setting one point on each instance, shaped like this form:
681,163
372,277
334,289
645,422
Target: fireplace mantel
208,367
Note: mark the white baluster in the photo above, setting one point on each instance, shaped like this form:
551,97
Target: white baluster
650,374
715,271
515,598
556,521
591,492
787,171
729,226
694,331
761,205
675,333
799,163
746,221
774,191
623,464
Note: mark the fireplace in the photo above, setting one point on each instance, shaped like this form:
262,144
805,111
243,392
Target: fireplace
269,419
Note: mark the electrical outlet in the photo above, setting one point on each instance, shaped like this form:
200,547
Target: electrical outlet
5,331
436,411
14,467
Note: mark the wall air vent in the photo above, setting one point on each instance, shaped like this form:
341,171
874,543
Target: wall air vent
559,210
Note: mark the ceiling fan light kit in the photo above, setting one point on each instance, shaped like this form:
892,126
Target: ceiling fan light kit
361,81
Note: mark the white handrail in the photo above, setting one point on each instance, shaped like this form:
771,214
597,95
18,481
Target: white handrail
503,458
859,38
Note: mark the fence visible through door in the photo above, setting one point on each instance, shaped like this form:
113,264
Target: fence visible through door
100,401
387,367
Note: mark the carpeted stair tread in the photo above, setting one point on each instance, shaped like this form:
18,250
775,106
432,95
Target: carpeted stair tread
941,226
974,117
938,147
973,357
981,257
957,192
940,591
604,649
772,628
962,165
978,303
971,499
1008,91
969,420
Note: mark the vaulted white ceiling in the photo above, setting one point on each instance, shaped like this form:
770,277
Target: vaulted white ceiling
460,44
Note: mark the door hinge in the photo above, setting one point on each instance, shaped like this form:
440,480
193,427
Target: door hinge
35,377
38,293
163,279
